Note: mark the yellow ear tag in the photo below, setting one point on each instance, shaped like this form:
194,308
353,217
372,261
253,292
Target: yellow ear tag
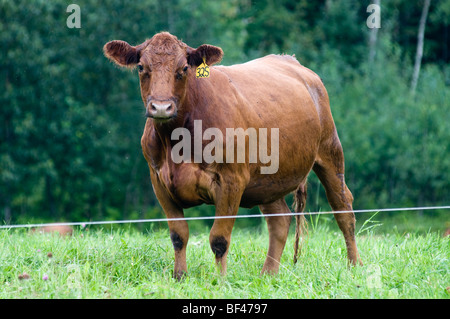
202,70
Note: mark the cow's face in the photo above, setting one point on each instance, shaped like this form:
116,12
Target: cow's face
163,63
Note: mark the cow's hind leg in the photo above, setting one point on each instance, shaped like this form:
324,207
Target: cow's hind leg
278,231
329,168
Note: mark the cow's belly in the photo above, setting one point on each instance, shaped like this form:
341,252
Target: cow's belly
264,189
296,159
265,193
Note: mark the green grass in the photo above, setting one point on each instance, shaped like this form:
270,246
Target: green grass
125,263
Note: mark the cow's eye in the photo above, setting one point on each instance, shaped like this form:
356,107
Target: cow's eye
185,69
140,68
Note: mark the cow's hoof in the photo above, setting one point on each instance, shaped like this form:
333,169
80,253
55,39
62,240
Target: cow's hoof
179,275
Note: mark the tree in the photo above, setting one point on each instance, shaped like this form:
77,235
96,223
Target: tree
419,51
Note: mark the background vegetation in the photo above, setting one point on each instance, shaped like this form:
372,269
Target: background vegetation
70,121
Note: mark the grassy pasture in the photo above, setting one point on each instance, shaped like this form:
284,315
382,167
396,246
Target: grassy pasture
125,263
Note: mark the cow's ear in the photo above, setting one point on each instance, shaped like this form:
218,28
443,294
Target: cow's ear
121,53
210,53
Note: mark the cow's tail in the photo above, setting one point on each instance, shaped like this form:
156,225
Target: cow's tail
301,227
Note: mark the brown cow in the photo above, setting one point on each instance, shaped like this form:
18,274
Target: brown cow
62,230
271,92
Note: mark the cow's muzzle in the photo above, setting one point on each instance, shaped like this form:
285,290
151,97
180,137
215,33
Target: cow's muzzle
161,110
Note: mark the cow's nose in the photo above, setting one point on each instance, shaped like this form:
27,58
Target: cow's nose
160,109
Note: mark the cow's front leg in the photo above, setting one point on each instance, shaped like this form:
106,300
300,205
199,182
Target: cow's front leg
179,234
227,204
219,240
179,230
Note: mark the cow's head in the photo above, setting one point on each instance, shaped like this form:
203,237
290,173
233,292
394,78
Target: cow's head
164,63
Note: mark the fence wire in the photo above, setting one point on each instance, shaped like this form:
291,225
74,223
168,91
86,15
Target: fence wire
158,220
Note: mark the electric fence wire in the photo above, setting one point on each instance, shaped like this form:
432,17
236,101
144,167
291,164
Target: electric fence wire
157,220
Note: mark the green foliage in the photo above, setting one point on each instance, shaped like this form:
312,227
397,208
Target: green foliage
70,121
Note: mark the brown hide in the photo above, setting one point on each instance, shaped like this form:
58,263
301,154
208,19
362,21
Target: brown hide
271,92
55,229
